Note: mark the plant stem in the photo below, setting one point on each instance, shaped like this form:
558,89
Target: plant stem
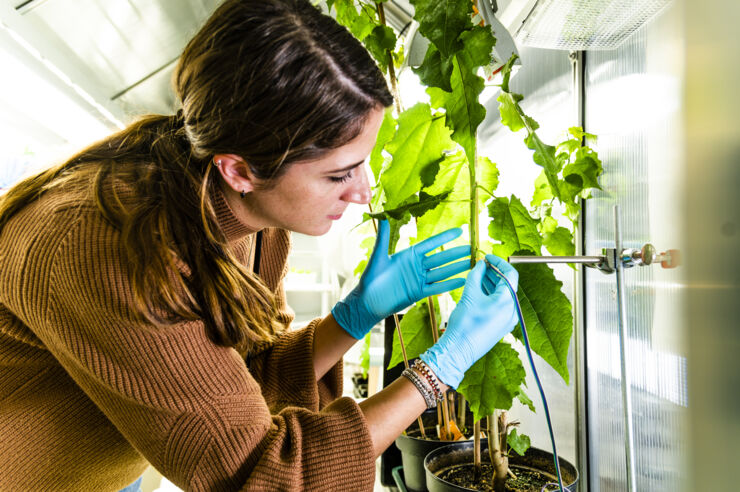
391,68
476,448
461,411
443,402
474,243
406,365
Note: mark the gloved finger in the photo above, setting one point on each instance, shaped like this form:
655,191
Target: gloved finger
509,271
494,277
446,256
447,271
475,278
489,287
441,287
500,263
435,242
381,241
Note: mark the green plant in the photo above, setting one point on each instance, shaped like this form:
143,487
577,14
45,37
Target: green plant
427,168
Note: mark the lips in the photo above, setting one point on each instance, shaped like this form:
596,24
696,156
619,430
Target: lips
335,217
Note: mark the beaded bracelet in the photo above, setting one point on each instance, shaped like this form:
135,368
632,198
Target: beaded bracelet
430,377
426,391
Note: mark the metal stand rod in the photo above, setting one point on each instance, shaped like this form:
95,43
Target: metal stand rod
586,260
629,443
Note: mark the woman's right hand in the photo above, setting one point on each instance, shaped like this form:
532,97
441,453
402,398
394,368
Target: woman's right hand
485,314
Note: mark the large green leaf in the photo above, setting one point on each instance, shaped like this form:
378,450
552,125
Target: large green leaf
544,154
587,167
385,134
513,226
453,212
488,176
558,240
442,22
493,382
435,70
464,112
547,313
415,208
360,24
508,107
420,140
395,225
542,191
380,42
417,333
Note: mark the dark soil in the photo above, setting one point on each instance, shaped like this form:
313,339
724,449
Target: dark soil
527,480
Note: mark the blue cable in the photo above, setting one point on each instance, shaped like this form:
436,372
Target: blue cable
536,378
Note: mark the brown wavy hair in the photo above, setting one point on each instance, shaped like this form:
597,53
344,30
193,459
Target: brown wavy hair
273,81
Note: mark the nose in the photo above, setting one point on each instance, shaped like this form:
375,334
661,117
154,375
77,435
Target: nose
359,189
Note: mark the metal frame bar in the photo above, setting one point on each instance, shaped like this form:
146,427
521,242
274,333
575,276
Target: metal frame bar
629,443
578,59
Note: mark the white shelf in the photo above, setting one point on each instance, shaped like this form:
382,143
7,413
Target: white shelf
297,287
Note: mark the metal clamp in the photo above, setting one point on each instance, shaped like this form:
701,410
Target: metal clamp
648,255
607,261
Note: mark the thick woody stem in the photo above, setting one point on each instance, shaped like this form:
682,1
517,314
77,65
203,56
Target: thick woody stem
497,450
476,448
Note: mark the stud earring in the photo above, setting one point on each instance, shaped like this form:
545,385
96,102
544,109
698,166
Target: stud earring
243,193
217,163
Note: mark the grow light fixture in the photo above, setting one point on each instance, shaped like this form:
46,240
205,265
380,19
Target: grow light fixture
576,24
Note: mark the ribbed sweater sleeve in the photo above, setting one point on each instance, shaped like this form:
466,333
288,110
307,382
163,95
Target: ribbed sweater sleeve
190,407
294,384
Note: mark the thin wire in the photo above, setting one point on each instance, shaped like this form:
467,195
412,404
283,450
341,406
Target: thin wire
536,376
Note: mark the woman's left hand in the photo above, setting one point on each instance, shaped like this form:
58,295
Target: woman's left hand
392,283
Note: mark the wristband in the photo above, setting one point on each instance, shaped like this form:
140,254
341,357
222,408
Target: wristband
430,377
426,391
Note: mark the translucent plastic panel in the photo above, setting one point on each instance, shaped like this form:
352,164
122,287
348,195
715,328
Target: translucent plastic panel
633,103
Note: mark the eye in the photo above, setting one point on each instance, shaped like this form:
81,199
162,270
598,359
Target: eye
341,179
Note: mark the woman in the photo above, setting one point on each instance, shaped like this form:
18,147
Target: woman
142,315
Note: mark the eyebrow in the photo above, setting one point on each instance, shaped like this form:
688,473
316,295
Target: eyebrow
346,168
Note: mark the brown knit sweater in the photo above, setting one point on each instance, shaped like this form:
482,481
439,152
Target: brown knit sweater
89,396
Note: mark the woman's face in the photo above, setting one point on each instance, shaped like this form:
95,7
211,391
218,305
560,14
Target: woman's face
311,195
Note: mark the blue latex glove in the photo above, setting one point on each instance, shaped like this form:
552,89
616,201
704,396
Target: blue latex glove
392,283
486,312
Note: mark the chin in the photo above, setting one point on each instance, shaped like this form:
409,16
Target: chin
316,230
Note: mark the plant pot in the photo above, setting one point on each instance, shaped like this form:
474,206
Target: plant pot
414,449
461,452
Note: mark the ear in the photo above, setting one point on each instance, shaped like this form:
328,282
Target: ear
235,172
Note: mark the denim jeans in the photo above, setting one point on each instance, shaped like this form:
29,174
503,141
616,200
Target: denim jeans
134,487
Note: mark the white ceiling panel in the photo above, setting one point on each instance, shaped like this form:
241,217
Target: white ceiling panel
121,52
152,95
125,45
123,41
